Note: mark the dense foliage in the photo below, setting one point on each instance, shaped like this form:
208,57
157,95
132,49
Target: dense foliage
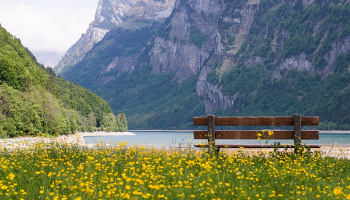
34,101
197,37
154,101
121,172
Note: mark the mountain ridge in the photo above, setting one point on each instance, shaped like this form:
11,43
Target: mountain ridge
232,58
112,14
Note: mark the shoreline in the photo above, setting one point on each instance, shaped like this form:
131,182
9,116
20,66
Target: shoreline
185,131
103,133
77,138
335,150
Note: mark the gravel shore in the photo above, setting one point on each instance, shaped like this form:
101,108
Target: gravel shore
77,138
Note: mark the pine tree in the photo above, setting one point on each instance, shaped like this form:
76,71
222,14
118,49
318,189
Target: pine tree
122,121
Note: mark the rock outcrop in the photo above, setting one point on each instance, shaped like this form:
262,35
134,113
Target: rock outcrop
197,40
338,48
112,14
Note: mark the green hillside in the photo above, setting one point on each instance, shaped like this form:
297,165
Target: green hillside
34,101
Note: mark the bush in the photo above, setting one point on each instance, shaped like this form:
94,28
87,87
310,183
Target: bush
213,78
197,37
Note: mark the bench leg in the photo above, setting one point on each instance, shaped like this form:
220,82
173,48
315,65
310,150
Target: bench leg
297,133
213,150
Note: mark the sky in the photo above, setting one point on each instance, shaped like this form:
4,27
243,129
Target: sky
47,27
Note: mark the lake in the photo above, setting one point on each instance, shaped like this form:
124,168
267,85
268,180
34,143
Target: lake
185,139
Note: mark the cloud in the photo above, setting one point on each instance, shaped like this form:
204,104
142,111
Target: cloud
46,25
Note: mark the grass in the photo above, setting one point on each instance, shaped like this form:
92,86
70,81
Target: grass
70,172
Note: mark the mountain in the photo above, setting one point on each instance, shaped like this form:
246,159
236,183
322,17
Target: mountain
111,14
237,57
33,100
48,58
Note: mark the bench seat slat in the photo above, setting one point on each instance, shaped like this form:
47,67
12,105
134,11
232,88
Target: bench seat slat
255,146
252,134
256,121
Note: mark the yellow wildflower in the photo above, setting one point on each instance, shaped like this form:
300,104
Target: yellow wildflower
337,191
11,176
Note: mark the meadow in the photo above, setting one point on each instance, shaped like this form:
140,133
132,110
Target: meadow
62,171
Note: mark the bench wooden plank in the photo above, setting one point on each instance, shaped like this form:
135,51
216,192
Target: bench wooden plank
255,146
252,134
256,121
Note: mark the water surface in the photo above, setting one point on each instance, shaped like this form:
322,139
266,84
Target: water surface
185,139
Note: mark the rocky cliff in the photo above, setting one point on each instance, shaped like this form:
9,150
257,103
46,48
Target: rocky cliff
200,36
112,14
237,57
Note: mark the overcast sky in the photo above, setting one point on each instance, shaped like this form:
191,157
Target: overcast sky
47,25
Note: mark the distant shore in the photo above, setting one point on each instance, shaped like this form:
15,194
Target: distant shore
335,131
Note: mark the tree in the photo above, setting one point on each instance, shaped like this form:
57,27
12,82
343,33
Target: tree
122,121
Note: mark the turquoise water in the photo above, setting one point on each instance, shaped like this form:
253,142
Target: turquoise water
185,139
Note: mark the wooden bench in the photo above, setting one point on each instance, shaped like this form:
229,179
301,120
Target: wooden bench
297,134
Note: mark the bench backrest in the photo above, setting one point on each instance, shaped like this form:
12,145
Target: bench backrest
256,121
297,121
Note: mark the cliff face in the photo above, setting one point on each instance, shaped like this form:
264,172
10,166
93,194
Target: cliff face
200,36
79,49
199,32
237,57
191,34
112,14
